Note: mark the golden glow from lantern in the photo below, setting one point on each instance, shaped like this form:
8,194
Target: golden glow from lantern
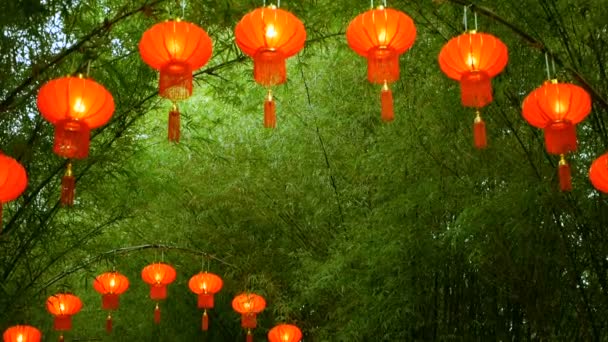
382,37
286,336
20,338
471,61
174,47
112,282
559,107
247,305
270,31
61,307
79,106
158,277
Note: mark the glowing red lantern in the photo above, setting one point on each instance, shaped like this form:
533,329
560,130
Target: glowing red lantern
75,106
158,275
598,173
176,48
473,59
63,306
110,285
557,108
285,333
381,35
270,35
249,305
205,285
13,181
22,333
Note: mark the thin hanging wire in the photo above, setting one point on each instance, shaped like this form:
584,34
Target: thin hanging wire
183,8
278,3
553,64
547,64
264,3
88,68
384,2
371,4
475,20
162,255
464,19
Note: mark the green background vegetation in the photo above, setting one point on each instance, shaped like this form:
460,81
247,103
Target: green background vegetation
353,229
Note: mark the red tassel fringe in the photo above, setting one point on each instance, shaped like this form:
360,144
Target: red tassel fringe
560,138
205,324
109,324
174,126
270,116
386,99
269,68
475,89
157,315
68,185
249,337
479,133
565,177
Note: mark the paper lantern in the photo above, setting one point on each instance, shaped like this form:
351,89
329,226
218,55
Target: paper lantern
22,333
110,285
285,333
598,173
158,275
381,35
63,306
270,35
205,285
13,181
75,106
473,59
557,108
248,305
176,48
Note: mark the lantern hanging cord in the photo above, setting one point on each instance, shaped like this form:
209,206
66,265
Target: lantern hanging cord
547,64
183,8
278,3
88,68
371,4
464,19
475,13
384,2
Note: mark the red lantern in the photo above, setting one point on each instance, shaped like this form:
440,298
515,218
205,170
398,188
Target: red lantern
270,35
205,285
473,59
63,306
22,333
75,106
110,285
13,181
285,333
381,35
557,108
176,48
158,275
248,305
598,173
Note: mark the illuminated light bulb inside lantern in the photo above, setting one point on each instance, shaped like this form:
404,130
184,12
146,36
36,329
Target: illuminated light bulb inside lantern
471,61
158,277
270,31
61,307
112,283
20,338
559,107
174,47
79,106
382,37
247,305
286,337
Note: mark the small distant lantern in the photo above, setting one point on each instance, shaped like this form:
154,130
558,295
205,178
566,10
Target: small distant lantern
176,48
13,181
75,106
557,108
63,306
249,305
158,276
110,285
381,35
205,285
473,59
22,333
270,35
285,333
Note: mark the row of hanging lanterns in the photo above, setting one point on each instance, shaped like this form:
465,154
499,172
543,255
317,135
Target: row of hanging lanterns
159,275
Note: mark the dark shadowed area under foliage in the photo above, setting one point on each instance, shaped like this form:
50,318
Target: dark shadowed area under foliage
351,228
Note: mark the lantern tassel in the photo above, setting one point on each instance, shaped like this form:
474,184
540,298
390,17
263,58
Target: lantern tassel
205,321
249,336
386,100
61,339
479,132
109,324
157,314
174,124
68,185
270,111
565,176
